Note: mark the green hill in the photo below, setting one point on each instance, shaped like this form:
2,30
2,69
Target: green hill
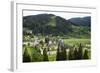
50,24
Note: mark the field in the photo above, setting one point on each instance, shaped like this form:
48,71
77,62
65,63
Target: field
77,41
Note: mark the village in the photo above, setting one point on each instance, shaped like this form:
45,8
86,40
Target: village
54,48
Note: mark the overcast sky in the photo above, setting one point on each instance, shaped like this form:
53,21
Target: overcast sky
64,15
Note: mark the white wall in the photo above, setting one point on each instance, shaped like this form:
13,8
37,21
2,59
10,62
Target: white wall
5,35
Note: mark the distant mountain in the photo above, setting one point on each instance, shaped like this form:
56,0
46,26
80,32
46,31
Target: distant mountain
85,21
50,24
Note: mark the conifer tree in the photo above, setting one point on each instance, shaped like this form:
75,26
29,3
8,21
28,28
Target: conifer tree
64,56
61,51
80,50
58,56
61,54
45,56
71,54
85,56
75,54
26,56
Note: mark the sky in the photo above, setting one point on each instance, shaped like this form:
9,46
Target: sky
65,15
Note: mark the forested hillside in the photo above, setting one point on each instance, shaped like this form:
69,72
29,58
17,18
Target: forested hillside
50,24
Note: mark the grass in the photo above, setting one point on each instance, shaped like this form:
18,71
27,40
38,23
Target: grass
76,41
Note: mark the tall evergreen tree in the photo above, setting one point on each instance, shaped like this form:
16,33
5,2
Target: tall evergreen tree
64,54
61,54
58,54
71,54
80,51
75,54
45,56
61,51
85,56
26,56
